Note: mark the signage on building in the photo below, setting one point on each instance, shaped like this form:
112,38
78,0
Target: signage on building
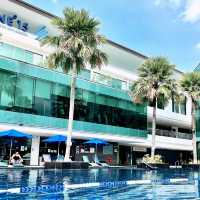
13,21
140,149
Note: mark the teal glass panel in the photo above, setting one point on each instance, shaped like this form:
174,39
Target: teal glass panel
100,99
113,102
35,120
100,78
61,90
100,109
18,54
88,96
60,101
79,93
85,74
42,97
7,88
122,104
24,92
28,57
6,50
37,59
116,83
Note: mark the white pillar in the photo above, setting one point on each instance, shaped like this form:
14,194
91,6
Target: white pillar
35,148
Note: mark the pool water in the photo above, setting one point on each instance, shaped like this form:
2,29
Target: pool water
69,184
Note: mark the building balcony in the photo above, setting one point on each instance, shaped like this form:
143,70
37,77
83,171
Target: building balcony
173,134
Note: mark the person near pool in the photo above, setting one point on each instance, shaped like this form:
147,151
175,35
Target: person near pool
16,159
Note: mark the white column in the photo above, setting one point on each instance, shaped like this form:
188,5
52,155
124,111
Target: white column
35,148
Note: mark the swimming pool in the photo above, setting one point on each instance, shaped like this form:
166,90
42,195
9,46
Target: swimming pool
101,184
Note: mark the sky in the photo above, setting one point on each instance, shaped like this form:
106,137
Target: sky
169,28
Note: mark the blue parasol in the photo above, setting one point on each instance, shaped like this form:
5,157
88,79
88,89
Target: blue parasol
96,142
56,138
13,134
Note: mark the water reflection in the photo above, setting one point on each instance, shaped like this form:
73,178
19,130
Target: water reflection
161,191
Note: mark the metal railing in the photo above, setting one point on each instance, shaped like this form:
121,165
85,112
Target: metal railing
173,134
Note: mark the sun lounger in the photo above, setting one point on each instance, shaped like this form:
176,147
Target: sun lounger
3,164
92,164
60,158
46,157
102,163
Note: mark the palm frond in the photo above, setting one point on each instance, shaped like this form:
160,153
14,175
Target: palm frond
78,41
154,80
190,83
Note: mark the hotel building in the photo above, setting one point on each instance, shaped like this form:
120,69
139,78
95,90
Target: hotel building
35,99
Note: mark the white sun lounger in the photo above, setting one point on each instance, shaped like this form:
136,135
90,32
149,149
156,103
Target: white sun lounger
92,164
46,157
102,163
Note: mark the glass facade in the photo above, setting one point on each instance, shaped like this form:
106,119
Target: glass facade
20,54
107,80
25,94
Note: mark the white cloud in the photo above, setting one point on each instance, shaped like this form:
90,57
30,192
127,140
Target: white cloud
197,45
171,3
192,11
54,1
190,8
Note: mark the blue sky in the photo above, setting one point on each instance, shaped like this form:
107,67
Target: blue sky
169,28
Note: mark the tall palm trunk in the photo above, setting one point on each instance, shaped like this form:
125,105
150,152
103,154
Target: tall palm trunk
153,129
71,113
194,134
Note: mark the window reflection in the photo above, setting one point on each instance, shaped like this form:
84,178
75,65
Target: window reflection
42,98
20,54
29,95
179,105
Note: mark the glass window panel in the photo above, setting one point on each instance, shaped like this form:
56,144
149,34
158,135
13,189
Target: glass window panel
6,50
124,85
79,93
43,89
88,96
100,78
176,107
37,59
122,104
85,74
42,97
60,101
100,99
24,92
7,88
61,90
183,106
111,102
28,57
18,54
116,83
160,103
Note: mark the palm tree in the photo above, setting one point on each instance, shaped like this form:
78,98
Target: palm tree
154,82
76,46
190,83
